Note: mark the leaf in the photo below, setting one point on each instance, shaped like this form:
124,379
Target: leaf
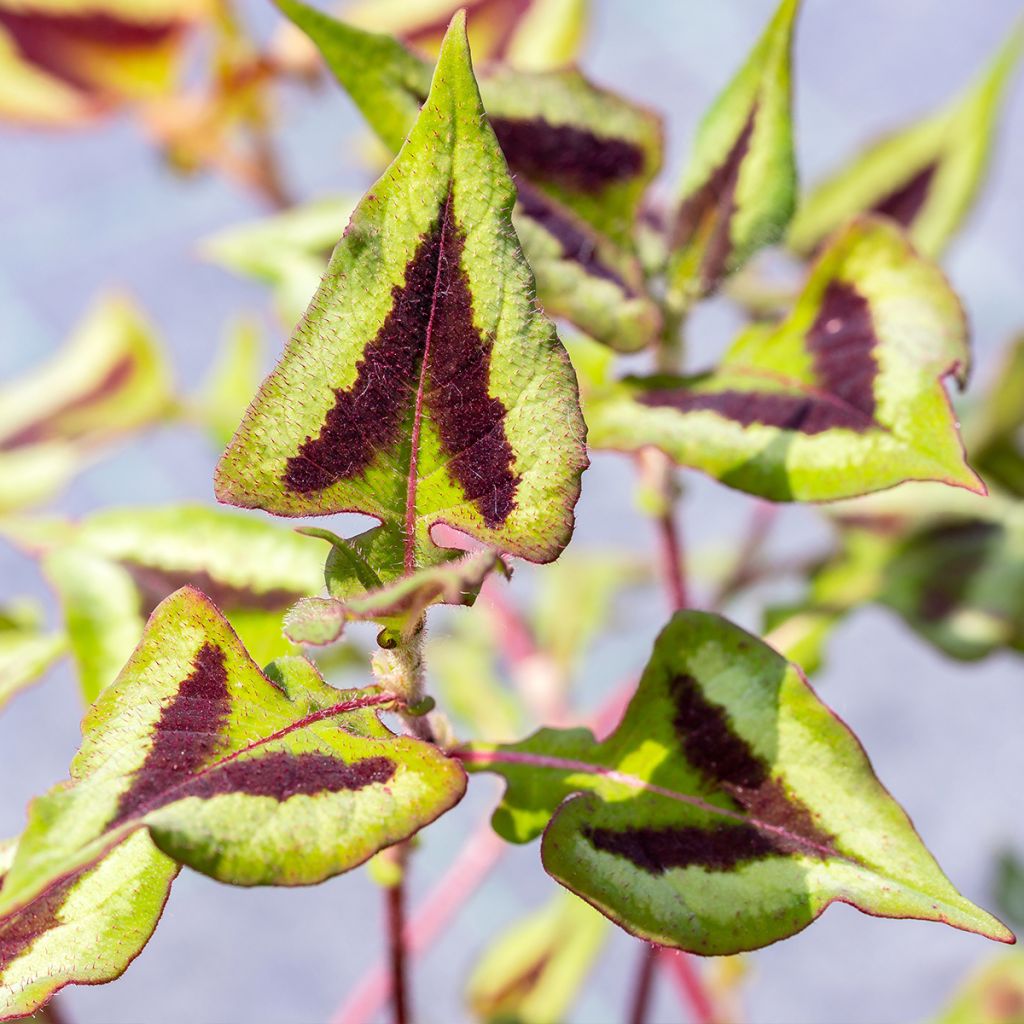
582,159
925,177
844,397
110,379
532,972
992,425
232,380
423,386
993,994
27,649
1009,888
728,809
287,250
252,779
111,570
537,34
738,191
398,605
64,63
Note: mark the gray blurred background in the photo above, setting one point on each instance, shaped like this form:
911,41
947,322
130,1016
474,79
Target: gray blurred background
82,211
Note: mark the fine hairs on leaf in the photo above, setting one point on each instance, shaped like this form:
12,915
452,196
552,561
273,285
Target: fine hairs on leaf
454,352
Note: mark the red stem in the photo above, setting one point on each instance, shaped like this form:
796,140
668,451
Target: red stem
644,985
395,898
684,972
672,559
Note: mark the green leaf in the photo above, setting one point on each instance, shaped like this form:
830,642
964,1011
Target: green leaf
253,779
532,972
582,158
738,191
111,570
925,177
993,994
399,605
1009,888
232,380
108,380
728,809
27,649
844,397
423,386
287,250
536,35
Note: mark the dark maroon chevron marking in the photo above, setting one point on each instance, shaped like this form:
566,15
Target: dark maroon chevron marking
728,763
185,735
716,196
48,427
155,584
566,155
578,243
904,203
44,40
806,414
23,927
657,850
431,318
282,775
842,340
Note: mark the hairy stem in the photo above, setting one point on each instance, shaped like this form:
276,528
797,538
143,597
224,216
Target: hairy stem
644,984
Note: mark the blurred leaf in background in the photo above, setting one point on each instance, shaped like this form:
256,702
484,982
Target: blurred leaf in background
27,648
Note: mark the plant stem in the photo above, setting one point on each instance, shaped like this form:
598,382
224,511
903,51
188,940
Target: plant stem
745,570
688,980
672,558
644,985
395,898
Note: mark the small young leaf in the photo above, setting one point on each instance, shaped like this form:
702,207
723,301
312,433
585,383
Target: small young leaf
111,570
533,971
993,994
253,779
728,809
925,178
843,397
27,650
739,188
582,158
108,380
423,386
398,605
535,35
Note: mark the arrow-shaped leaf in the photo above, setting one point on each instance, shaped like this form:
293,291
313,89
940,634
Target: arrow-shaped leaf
925,177
728,809
844,397
423,386
582,158
739,188
252,779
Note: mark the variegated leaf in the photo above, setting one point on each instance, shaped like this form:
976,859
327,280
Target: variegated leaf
739,188
110,379
533,971
27,649
64,62
844,397
925,177
398,605
534,35
728,809
582,158
112,569
253,779
423,386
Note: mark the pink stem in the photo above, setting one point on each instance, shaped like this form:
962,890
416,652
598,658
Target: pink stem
687,978
672,559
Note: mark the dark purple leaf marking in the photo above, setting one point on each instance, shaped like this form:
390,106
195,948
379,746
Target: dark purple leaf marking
841,341
566,154
46,40
282,775
657,850
49,426
578,243
504,15
429,349
185,735
716,198
21,929
154,584
904,203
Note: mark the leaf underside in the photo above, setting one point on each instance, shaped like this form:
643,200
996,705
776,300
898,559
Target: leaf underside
728,809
